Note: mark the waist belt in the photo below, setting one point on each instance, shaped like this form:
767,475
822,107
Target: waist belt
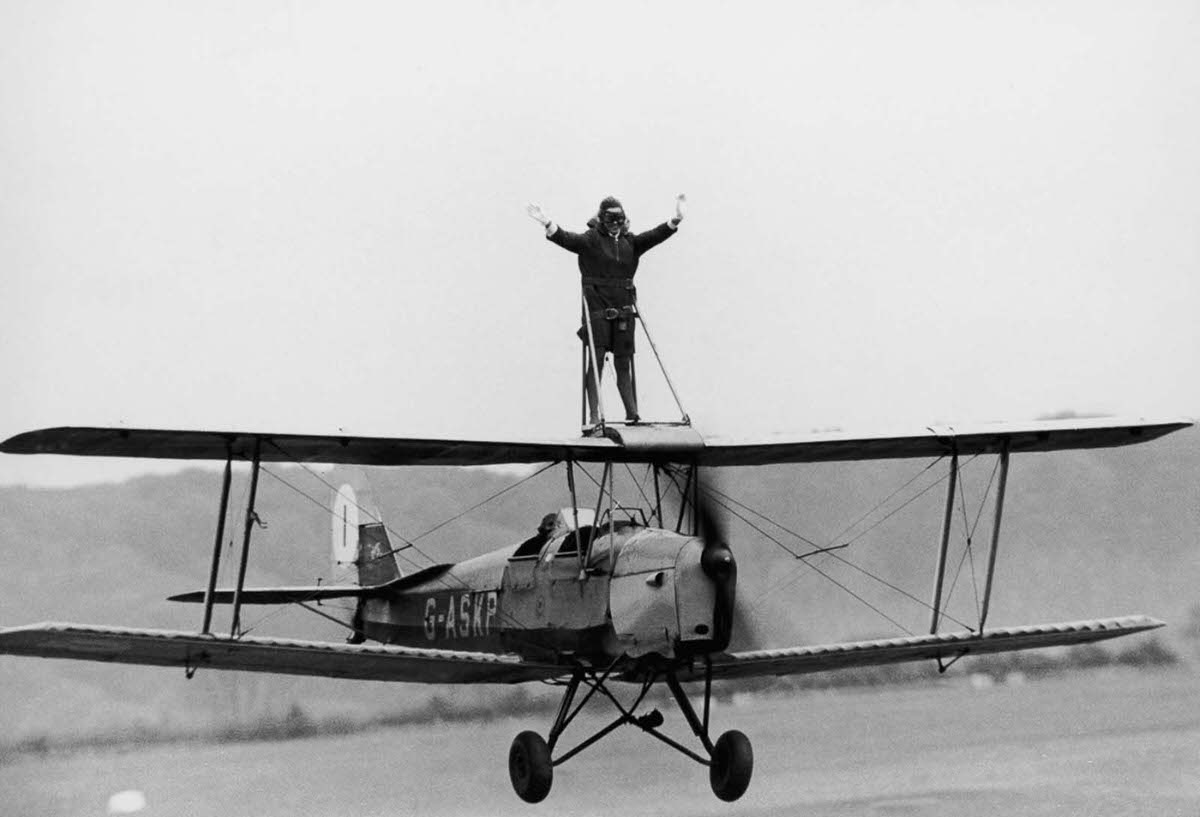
623,283
612,313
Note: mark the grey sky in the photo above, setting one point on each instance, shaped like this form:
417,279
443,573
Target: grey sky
305,216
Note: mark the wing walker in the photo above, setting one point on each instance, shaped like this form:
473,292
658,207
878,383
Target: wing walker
605,597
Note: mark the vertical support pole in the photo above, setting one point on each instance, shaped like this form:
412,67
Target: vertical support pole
684,497
583,403
605,479
575,514
658,517
250,518
991,568
612,518
571,488
696,501
206,627
587,318
707,689
940,576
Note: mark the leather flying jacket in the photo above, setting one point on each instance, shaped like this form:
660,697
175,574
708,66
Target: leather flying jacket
608,263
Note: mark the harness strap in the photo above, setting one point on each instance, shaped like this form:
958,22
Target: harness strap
613,313
596,281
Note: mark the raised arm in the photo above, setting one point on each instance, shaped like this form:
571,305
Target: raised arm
574,242
652,238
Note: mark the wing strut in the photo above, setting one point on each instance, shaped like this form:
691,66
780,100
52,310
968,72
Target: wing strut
216,557
947,521
991,569
251,518
993,549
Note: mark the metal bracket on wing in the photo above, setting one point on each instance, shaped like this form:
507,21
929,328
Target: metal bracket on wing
666,442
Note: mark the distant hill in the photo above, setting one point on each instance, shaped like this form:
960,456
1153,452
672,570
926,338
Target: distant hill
1084,534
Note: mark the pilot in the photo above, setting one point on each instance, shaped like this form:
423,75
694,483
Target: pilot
545,532
608,259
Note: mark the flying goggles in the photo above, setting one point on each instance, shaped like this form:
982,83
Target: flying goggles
612,218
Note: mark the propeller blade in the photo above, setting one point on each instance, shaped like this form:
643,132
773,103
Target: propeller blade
719,565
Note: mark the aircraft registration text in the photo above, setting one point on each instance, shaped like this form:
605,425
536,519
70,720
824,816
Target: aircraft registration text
460,615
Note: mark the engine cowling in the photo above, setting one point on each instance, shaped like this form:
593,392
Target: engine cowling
660,597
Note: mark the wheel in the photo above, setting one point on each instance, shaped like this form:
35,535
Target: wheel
731,767
529,767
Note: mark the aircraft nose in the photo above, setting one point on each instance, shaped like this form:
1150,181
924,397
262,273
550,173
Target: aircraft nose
717,561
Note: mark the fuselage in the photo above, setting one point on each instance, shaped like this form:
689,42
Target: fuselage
641,592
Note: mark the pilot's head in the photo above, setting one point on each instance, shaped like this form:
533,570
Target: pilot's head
548,522
611,216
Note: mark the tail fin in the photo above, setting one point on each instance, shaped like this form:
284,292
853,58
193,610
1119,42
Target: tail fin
365,546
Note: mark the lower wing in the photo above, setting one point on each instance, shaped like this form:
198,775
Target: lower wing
383,663
798,660
190,651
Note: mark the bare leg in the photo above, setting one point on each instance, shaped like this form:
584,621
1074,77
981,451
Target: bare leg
624,364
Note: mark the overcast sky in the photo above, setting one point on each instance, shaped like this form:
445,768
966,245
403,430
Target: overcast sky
309,216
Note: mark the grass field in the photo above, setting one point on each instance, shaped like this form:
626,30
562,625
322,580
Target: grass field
1103,743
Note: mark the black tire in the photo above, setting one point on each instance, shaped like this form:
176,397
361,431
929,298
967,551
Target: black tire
529,767
731,767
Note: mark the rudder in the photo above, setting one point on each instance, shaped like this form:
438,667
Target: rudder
366,546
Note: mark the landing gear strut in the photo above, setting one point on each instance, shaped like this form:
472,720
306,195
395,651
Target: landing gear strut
730,760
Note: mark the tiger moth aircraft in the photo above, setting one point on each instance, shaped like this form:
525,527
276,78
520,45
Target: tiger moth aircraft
603,595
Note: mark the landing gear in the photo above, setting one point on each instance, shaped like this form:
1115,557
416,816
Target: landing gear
530,768
730,760
731,766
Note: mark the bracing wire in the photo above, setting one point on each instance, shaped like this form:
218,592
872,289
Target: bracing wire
786,582
969,532
883,501
462,584
394,551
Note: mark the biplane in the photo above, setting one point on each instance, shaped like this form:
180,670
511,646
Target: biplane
601,595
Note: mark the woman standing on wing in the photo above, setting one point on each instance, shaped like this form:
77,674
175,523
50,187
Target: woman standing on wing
608,259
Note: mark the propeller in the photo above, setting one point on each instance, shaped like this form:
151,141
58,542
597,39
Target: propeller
733,619
718,564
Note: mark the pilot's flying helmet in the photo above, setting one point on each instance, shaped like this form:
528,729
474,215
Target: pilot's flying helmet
611,215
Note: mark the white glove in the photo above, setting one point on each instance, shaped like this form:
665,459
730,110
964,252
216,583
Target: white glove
535,213
680,206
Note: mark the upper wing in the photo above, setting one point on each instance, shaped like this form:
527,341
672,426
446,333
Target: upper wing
641,443
799,660
218,445
1045,435
191,651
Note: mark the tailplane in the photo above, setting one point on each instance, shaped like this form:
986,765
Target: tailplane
362,548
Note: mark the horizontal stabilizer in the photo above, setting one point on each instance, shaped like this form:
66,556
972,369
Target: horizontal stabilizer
284,595
799,660
320,592
192,651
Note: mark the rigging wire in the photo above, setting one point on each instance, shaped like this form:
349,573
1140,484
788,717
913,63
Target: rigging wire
641,486
480,504
347,571
787,582
372,516
883,501
907,502
411,544
968,550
